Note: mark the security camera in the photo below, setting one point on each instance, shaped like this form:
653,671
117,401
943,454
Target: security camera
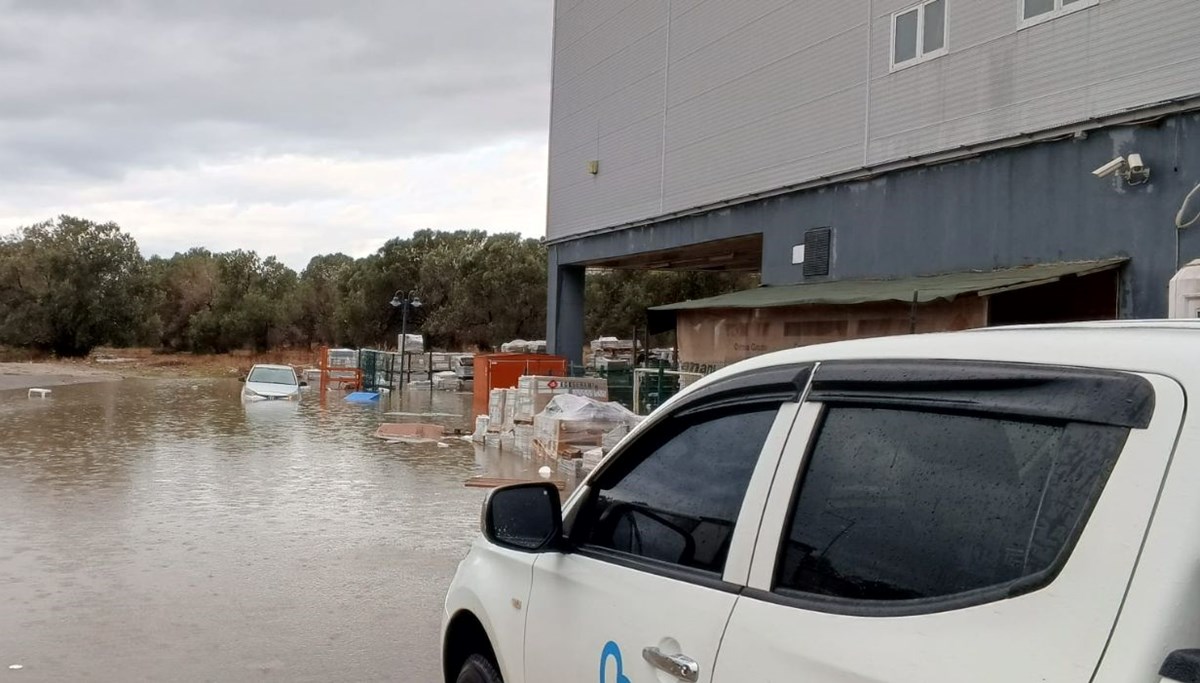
1136,171
1111,167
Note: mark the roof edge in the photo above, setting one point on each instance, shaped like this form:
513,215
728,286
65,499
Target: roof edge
980,282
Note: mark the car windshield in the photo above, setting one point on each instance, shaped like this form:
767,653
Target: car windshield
272,376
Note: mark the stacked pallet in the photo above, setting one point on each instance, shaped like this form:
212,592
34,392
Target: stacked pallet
571,425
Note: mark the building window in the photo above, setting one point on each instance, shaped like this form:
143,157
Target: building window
919,33
1036,11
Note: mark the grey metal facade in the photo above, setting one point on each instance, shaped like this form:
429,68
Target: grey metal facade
704,114
1032,204
688,102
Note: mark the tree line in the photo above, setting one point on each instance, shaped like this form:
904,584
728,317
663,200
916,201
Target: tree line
70,285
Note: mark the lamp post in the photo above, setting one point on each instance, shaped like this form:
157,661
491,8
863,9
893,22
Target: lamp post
403,300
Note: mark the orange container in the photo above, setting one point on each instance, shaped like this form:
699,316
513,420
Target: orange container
502,370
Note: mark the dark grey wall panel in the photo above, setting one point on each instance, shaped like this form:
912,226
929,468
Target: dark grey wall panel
1027,205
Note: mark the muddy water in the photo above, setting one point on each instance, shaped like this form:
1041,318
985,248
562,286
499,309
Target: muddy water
162,531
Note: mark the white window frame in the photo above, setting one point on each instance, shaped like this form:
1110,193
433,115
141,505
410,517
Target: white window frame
1060,10
923,56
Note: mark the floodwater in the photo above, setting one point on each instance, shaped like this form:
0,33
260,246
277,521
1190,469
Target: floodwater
159,530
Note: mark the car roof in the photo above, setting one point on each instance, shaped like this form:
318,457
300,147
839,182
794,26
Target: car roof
273,367
1165,347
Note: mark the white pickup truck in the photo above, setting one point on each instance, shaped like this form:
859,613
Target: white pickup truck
994,506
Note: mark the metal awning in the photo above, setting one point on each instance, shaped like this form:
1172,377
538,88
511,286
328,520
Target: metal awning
922,289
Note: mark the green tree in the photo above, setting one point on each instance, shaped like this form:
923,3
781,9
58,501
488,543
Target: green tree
252,305
185,285
318,300
616,300
70,285
363,293
482,290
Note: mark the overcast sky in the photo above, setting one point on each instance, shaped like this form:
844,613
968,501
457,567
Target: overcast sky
291,127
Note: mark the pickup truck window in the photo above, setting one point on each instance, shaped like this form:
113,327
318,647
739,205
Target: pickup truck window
912,504
674,496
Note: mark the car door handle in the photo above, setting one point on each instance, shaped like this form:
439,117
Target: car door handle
680,666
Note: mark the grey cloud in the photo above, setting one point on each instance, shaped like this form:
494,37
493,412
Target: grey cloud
96,88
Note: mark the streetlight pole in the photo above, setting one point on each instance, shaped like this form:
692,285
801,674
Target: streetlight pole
403,300
403,341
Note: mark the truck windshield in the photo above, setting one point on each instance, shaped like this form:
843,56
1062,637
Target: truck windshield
272,376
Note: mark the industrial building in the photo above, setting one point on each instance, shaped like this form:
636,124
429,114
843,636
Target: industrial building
888,166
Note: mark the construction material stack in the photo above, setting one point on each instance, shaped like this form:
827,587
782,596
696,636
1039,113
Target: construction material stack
572,425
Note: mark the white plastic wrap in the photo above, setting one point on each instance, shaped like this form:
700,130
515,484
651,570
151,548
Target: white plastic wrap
572,424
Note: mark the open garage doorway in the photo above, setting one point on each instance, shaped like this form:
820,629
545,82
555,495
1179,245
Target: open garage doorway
1073,298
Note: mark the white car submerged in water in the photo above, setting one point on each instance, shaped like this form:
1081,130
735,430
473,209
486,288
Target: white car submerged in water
271,383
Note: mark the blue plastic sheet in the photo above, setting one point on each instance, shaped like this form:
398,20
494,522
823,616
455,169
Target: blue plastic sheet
362,397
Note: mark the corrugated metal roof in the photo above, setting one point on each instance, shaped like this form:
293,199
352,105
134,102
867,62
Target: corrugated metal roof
926,288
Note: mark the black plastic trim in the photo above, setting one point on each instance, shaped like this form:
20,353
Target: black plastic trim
780,384
1182,666
904,608
674,572
1036,391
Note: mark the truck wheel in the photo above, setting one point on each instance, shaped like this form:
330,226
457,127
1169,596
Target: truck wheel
477,669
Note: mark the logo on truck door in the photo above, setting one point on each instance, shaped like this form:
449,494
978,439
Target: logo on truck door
612,651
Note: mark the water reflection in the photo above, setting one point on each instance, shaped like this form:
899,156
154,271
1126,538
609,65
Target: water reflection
148,526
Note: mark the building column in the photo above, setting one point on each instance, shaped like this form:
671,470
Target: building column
564,310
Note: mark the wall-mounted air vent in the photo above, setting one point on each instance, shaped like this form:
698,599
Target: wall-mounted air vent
818,245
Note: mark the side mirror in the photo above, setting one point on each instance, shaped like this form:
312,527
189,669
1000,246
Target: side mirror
525,517
303,383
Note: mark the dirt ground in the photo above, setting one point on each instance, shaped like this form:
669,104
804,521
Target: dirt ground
106,365
50,374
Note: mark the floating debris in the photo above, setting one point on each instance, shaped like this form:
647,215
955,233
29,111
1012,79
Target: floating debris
39,393
15,667
415,432
545,472
495,482
362,397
